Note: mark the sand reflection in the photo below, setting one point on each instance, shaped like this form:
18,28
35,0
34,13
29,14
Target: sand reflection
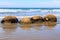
9,27
37,26
50,24
25,26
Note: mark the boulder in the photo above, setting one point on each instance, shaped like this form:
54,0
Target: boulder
35,19
25,20
50,17
9,19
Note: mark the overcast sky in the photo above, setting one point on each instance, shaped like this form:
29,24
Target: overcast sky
30,3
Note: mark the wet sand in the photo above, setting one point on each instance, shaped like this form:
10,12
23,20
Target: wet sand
37,31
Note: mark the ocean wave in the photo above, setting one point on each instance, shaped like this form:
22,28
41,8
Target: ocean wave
29,10
17,16
57,15
18,10
56,10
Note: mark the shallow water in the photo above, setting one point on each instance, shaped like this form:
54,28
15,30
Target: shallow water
36,31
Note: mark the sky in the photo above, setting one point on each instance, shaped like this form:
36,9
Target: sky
29,3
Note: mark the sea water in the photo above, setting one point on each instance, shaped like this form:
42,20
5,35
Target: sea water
29,31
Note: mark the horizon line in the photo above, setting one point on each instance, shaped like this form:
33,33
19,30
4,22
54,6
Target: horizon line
27,8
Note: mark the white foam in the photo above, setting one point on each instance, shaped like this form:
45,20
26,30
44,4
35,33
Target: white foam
56,10
8,10
18,10
44,10
21,16
29,10
31,16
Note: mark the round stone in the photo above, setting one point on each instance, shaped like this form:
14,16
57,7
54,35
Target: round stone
35,19
9,19
50,17
25,20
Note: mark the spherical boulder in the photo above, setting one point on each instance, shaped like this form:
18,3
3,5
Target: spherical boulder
50,17
9,19
25,20
35,19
